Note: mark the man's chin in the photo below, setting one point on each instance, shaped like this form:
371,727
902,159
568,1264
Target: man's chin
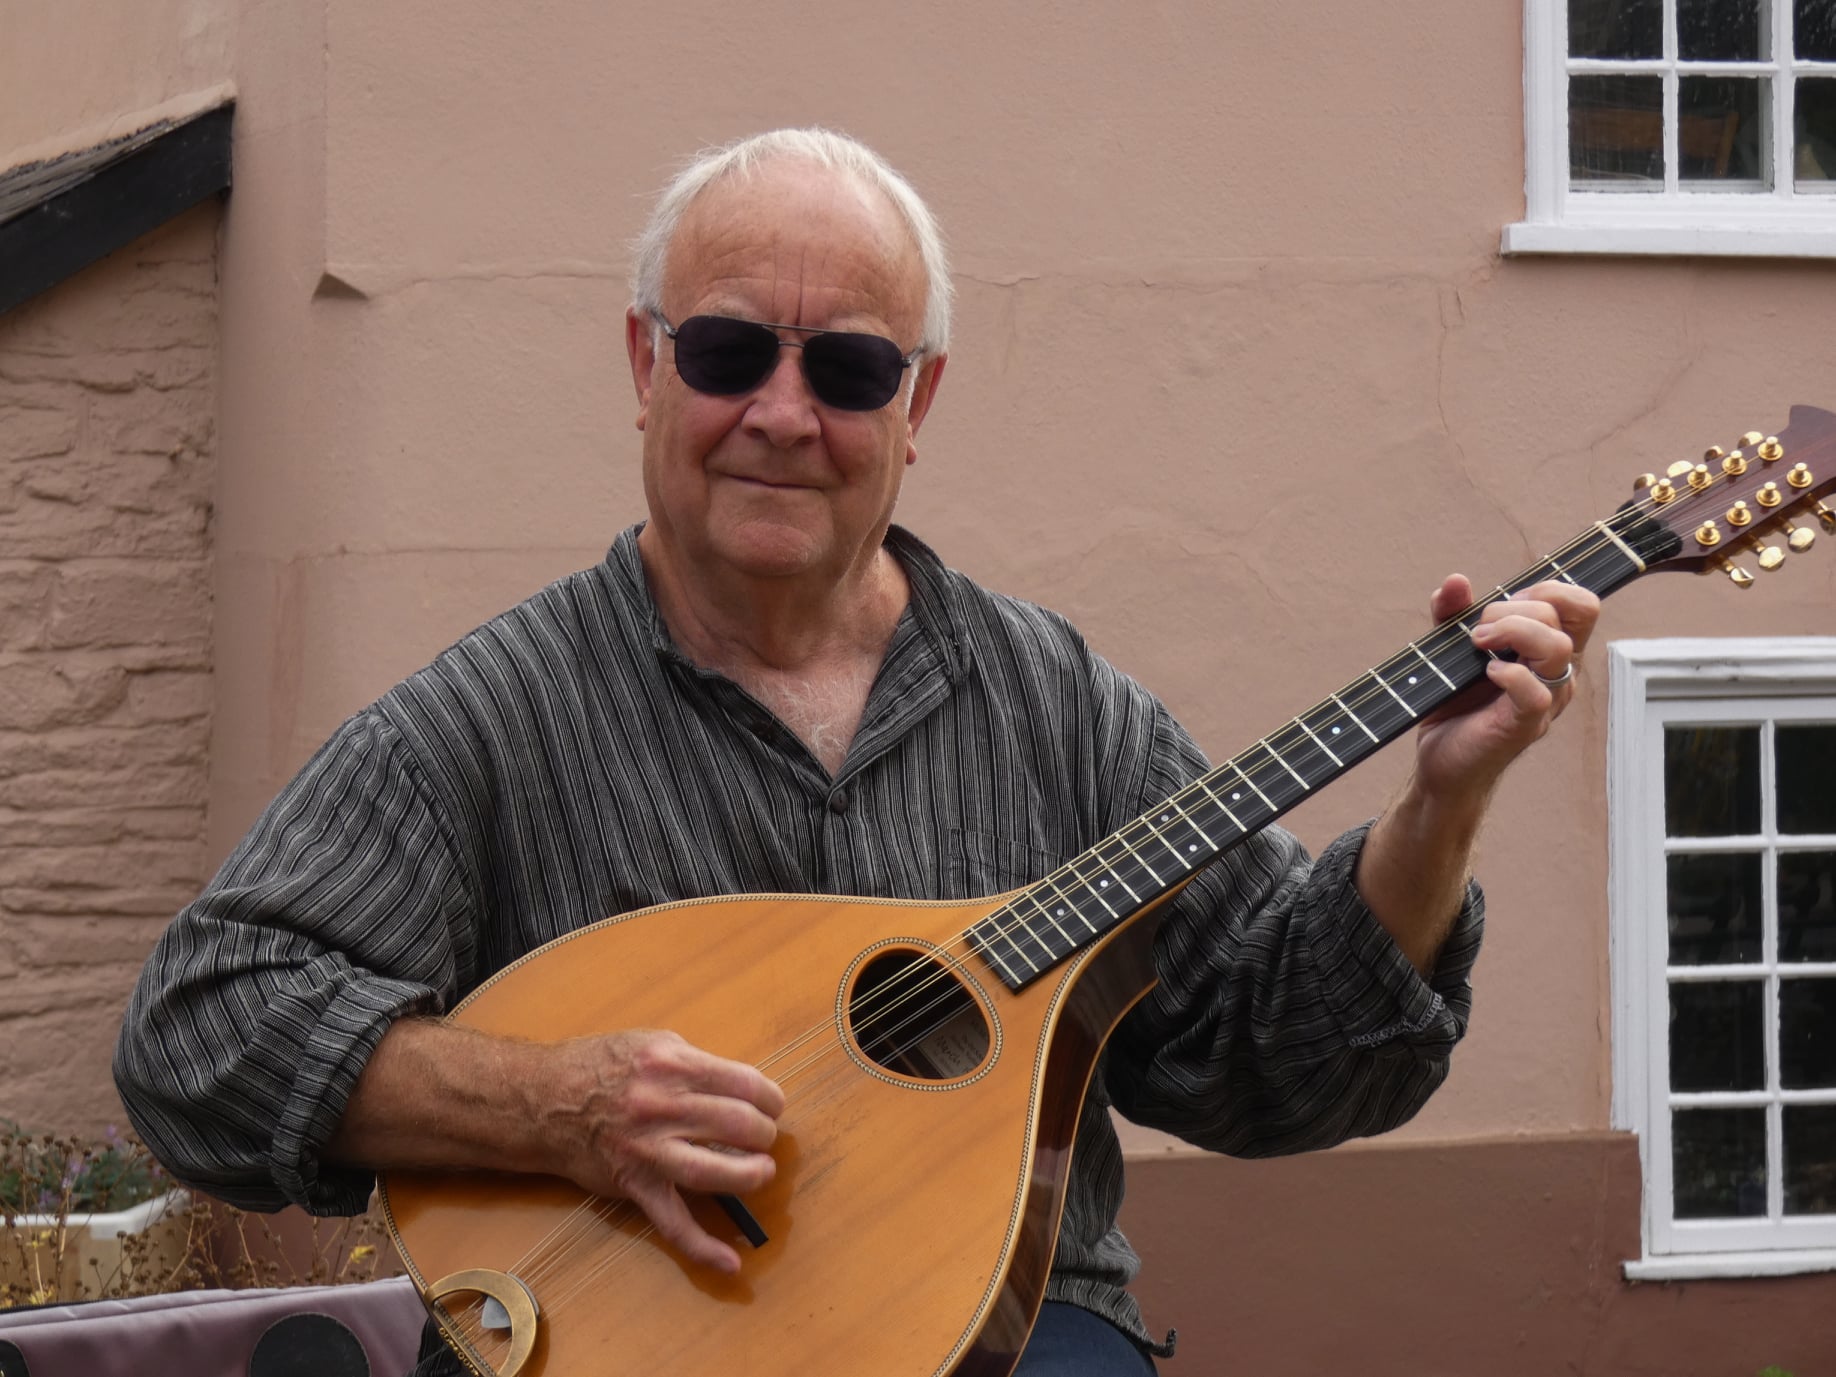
770,550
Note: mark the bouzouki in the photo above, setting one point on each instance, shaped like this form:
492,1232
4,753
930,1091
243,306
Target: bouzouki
935,1057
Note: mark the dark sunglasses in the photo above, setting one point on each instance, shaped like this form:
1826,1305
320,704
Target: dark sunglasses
724,357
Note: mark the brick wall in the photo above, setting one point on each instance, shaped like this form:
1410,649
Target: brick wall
107,409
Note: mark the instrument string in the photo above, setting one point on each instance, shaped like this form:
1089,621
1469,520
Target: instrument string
900,999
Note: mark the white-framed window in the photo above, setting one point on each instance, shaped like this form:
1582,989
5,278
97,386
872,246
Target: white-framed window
1679,127
1722,840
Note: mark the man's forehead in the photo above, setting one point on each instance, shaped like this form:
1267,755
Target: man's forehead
796,220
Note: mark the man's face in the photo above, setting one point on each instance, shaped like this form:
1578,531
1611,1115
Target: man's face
773,483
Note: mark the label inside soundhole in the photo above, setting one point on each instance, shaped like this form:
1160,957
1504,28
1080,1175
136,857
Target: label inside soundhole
913,1015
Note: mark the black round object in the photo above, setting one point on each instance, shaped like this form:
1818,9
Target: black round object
12,1361
308,1345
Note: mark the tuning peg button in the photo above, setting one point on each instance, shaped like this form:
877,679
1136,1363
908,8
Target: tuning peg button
1800,538
1825,515
1739,576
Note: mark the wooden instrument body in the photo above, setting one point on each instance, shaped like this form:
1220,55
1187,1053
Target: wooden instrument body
911,1224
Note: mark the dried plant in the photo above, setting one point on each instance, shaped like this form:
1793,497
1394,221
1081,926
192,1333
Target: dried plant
48,1183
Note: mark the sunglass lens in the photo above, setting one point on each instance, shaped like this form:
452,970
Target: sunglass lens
853,372
723,356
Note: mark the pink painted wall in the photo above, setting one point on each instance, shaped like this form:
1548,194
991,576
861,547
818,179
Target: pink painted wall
71,73
1239,372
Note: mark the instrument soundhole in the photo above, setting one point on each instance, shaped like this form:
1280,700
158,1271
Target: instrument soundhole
912,1014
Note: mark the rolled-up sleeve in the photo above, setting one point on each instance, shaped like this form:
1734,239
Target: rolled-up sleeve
342,910
1286,1018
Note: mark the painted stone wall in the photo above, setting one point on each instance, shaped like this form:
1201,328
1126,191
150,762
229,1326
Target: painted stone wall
107,421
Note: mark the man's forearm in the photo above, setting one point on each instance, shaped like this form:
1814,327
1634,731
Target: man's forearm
436,1095
1414,870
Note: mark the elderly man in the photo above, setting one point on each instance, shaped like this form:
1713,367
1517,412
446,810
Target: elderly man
768,687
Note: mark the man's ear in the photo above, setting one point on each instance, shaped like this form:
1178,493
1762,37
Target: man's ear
924,392
641,348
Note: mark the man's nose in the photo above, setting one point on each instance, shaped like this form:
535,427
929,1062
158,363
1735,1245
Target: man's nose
783,407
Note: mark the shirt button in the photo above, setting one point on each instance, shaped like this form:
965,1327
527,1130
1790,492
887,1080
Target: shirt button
838,801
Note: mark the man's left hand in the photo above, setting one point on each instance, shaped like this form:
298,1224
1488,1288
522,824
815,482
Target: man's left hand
1464,747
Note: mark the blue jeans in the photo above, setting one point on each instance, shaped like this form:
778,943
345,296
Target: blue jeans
1068,1341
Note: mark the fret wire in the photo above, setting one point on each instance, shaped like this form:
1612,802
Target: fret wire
1021,923
1069,906
1375,739
1252,784
1321,744
1121,837
1115,870
1394,694
1069,900
1032,894
1235,820
1162,838
1183,857
988,949
1264,743
1095,891
1417,648
1560,571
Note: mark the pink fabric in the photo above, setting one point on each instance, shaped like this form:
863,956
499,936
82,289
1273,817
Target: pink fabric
209,1333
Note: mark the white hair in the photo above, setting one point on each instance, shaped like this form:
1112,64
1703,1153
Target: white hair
825,148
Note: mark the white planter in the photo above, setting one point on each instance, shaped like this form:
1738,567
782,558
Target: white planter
89,1256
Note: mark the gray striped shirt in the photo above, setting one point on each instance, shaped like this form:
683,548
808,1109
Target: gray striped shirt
565,762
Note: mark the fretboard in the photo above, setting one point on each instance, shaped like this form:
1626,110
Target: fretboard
1125,872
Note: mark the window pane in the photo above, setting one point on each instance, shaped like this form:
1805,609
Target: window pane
1718,30
1718,1036
1807,1034
1718,1162
1714,908
1720,130
1711,781
1813,27
1616,129
1815,136
1616,28
1807,777
1810,1159
1807,906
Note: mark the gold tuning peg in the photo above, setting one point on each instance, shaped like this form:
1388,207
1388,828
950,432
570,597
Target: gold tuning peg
1643,481
1678,469
1825,515
1740,577
1800,538
1770,556
1750,439
1770,449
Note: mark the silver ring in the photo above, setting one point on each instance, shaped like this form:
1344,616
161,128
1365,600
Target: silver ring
1559,680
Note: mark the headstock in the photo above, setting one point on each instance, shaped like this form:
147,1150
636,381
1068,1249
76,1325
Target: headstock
1761,498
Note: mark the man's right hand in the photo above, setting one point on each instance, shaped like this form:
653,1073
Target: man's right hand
644,1115
640,1115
